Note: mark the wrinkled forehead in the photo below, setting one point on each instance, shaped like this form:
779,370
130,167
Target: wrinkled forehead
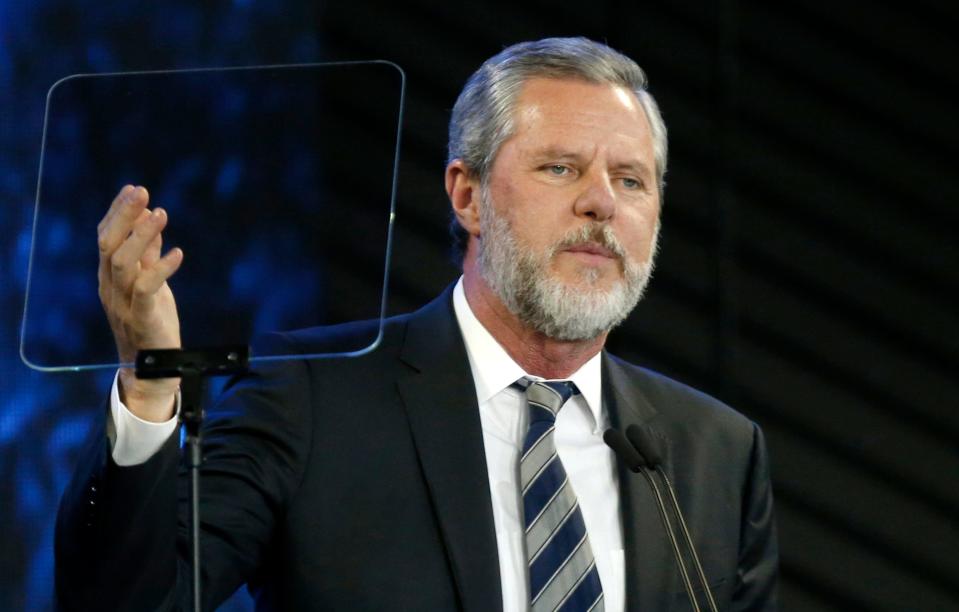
578,117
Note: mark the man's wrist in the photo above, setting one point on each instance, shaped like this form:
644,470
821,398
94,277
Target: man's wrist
148,400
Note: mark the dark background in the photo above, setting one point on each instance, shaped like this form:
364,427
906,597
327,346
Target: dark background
808,249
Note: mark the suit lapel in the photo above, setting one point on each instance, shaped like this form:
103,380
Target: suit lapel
440,401
650,569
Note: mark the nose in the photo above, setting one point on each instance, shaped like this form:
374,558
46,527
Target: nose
597,201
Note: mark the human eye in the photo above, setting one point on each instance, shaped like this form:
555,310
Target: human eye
558,169
632,183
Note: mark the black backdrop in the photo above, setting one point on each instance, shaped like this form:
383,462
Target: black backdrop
807,250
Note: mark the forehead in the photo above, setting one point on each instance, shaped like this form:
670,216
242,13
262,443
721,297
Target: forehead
551,113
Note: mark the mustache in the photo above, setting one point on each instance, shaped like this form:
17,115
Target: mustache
592,233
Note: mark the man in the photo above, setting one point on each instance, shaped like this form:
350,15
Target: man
405,479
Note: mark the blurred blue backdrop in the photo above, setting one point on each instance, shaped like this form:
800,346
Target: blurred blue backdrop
45,418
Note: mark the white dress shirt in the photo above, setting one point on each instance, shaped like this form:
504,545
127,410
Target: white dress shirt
136,440
589,463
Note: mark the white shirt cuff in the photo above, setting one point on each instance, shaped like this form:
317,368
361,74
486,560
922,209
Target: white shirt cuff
137,440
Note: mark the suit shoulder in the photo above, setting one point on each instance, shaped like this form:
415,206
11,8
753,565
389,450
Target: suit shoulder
386,336
677,401
355,336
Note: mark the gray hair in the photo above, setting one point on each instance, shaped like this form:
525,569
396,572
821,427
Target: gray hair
482,117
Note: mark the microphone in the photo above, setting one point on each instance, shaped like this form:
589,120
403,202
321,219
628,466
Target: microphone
646,444
649,446
636,462
626,451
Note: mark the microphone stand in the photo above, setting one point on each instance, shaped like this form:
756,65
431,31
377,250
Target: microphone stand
193,367
688,540
649,447
637,462
683,572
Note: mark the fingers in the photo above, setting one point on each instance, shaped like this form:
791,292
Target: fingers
122,197
111,230
129,238
114,227
120,219
152,253
125,260
151,279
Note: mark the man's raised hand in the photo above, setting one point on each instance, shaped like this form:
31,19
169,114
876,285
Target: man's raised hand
136,297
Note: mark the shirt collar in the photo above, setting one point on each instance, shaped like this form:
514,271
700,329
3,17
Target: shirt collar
494,370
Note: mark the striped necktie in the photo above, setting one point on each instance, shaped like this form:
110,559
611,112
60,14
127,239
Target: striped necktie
562,572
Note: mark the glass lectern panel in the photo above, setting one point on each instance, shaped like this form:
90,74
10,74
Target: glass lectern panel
279,186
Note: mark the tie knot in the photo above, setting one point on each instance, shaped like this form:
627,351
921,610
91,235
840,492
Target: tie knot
550,395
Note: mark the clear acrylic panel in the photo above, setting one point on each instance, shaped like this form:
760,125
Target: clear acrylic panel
279,182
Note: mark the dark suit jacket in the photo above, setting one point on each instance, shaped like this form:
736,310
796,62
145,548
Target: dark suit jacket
360,484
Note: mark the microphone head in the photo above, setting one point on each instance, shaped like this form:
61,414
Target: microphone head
623,449
648,445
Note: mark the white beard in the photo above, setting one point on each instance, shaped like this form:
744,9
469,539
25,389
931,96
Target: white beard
523,281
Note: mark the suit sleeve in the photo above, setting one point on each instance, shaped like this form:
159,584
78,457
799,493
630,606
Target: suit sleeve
122,532
758,551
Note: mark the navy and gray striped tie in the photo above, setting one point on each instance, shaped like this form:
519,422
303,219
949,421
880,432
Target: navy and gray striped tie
562,572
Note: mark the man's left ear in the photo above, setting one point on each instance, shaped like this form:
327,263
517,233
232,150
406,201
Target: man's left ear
462,187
